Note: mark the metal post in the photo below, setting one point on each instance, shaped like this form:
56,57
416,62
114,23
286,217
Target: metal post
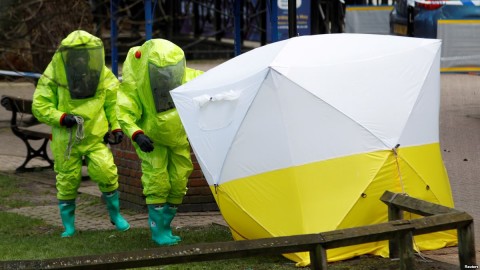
148,19
314,17
196,20
292,18
263,22
113,36
274,20
169,7
238,26
218,20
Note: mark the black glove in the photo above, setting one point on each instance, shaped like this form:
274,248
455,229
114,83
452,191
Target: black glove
145,143
117,137
68,121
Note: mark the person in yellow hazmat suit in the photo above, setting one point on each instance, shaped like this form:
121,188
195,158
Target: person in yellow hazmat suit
147,115
76,95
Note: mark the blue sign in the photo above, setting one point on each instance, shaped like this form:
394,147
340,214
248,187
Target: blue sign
303,18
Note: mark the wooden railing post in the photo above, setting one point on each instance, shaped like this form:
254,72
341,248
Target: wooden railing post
394,213
466,246
404,241
318,258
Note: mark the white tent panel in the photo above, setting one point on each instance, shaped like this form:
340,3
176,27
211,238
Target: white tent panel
299,129
338,49
258,137
212,120
378,91
369,91
423,124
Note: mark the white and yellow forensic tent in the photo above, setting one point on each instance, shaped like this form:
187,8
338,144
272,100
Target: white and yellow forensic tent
304,135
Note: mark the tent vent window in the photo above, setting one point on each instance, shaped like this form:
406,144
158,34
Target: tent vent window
217,111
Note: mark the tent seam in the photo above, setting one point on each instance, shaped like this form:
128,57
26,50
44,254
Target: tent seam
239,127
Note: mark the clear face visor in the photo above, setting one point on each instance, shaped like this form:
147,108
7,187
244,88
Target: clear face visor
83,68
162,80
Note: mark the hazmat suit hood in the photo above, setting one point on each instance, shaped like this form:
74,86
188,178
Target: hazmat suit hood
162,80
87,90
163,64
147,68
83,60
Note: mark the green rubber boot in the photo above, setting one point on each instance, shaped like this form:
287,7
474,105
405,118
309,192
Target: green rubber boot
113,207
156,221
67,213
169,213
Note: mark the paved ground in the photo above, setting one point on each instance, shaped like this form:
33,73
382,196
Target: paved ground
459,138
91,212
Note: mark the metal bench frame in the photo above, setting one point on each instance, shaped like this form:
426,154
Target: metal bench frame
19,108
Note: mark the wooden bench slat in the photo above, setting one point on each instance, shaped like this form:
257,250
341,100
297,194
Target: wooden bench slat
18,104
40,131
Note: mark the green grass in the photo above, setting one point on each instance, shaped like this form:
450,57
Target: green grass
20,235
25,238
7,188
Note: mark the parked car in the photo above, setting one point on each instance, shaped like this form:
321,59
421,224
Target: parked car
418,18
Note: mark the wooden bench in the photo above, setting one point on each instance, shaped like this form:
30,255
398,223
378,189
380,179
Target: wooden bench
25,126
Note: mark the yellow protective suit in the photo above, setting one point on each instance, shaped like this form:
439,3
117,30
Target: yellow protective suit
52,101
166,169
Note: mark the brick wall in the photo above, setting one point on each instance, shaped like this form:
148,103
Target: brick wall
199,198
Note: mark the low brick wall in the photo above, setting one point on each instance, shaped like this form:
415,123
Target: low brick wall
199,198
